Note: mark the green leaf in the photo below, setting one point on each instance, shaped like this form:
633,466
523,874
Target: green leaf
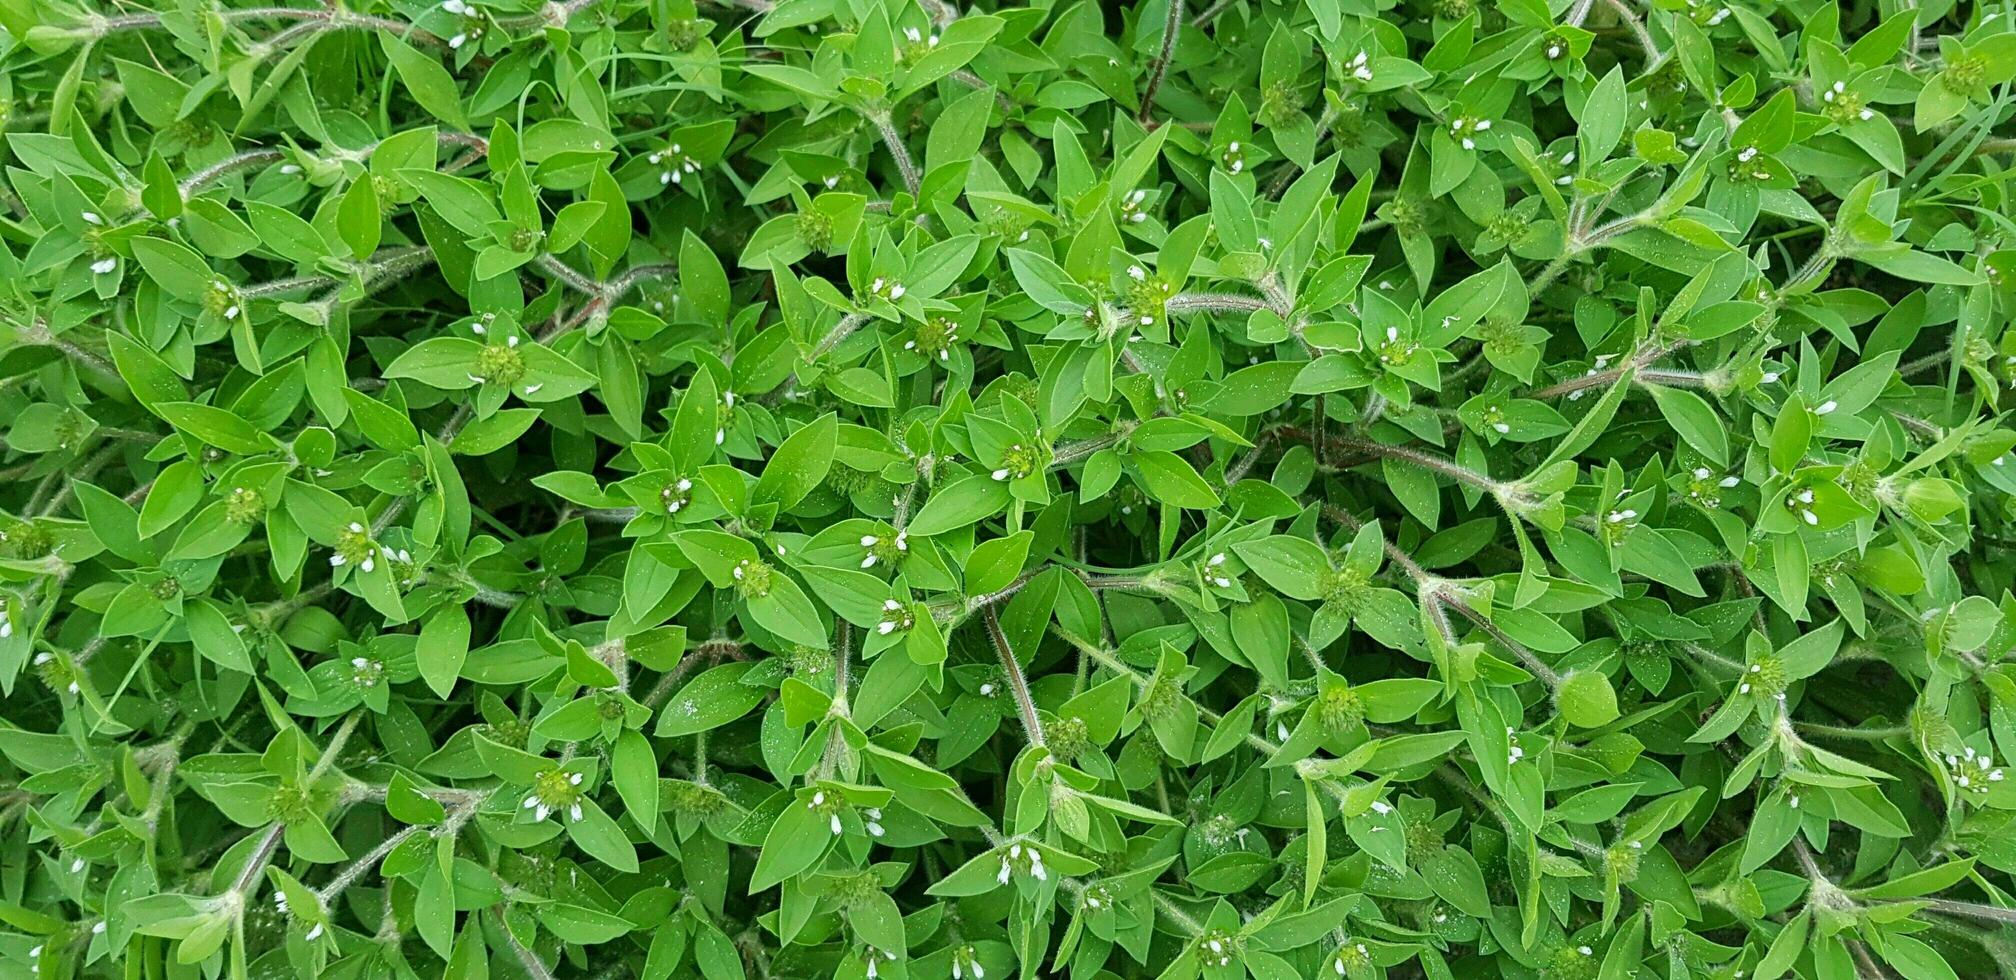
180,272
1168,478
972,498
444,644
1587,699
429,83
799,465
1294,566
1690,415
359,220
485,436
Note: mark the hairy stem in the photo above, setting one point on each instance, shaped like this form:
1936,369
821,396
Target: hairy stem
912,180
1018,685
1171,27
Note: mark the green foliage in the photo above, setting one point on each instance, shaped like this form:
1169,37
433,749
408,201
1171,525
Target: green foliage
868,490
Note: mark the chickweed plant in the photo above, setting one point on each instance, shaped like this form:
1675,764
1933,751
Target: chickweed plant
898,490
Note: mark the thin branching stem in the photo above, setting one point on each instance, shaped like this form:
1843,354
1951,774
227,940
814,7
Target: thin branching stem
1171,27
1649,354
1018,685
913,181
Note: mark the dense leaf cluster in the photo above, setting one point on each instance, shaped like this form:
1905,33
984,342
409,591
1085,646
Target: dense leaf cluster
869,489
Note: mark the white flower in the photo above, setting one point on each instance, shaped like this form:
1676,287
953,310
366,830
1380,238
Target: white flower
103,266
458,41
1827,407
1001,474
313,933
91,217
455,6
1973,772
